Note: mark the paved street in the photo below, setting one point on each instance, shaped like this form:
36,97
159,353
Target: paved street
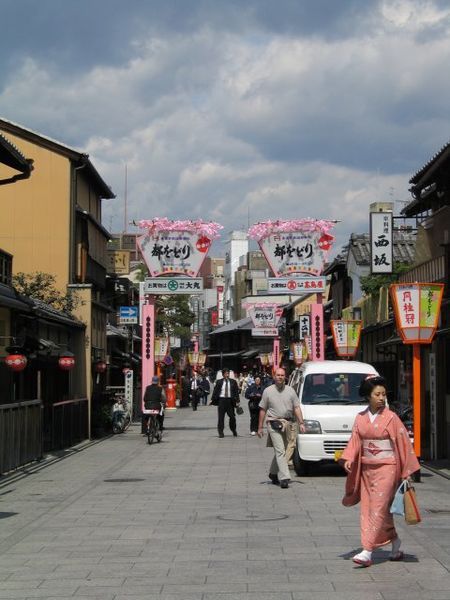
195,517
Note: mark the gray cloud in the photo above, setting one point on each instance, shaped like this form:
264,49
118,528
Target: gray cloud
230,111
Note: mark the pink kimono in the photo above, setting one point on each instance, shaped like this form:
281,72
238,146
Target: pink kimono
382,455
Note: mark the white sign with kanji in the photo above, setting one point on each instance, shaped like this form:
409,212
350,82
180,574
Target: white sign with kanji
174,252
296,252
381,243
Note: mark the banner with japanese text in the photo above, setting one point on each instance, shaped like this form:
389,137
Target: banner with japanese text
297,246
346,336
381,242
416,308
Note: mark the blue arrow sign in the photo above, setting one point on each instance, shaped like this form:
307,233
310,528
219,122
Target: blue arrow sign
128,314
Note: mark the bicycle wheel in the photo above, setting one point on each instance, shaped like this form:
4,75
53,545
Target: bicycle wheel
118,425
151,430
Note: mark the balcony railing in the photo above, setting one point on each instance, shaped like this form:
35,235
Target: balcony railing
65,424
20,434
427,272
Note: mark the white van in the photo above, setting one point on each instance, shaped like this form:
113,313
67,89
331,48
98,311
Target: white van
328,392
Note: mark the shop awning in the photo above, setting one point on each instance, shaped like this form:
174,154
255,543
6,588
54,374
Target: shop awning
250,354
226,354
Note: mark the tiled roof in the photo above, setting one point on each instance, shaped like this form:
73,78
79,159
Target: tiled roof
404,247
12,157
55,146
436,158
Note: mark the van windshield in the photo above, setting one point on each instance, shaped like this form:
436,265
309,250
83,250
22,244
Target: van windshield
333,388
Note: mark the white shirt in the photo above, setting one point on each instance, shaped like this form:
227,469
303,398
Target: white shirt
223,393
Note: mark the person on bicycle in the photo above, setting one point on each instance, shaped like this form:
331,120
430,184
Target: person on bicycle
155,397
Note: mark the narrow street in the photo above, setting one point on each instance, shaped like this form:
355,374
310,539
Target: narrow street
196,517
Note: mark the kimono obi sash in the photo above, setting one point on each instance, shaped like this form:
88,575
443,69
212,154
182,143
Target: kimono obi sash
378,449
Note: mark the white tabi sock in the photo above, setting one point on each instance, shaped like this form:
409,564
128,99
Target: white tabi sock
364,555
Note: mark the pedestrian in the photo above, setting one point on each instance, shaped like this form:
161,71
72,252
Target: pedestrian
195,390
254,395
155,397
185,391
281,405
204,387
226,397
378,456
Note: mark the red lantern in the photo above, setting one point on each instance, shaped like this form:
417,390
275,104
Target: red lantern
100,366
203,244
66,362
16,362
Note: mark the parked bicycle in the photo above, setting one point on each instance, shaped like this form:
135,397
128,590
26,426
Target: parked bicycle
154,431
121,415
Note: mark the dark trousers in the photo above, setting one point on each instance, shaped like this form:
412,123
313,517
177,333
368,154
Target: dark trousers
226,406
254,418
194,399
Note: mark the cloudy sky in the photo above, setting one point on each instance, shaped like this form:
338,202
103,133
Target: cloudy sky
235,111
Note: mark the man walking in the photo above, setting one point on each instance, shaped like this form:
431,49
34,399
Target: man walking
225,396
195,390
281,405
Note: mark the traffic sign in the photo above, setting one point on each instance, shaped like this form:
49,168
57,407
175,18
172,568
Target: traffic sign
172,285
265,332
128,315
295,285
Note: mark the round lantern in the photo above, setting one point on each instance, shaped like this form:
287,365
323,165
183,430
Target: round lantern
100,366
66,362
203,244
16,362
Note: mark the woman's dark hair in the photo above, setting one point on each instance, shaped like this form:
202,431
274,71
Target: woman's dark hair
370,382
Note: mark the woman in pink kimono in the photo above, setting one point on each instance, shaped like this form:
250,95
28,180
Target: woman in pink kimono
377,457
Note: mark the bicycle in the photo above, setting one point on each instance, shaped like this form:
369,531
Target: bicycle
121,417
153,430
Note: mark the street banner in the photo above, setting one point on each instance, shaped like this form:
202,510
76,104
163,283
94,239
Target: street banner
117,262
176,247
220,292
317,345
193,358
264,315
381,242
299,352
172,285
161,348
417,307
299,246
296,285
264,358
308,346
148,347
304,326
128,376
346,336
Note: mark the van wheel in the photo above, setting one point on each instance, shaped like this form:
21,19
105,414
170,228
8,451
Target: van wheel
301,467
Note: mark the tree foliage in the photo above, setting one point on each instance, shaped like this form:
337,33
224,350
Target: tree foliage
371,284
173,313
174,316
42,286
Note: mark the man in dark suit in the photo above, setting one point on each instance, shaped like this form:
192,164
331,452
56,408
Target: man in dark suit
225,396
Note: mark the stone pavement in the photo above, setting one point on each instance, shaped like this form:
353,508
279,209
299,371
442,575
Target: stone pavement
195,517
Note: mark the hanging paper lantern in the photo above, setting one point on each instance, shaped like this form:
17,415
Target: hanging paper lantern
203,244
66,362
16,362
100,366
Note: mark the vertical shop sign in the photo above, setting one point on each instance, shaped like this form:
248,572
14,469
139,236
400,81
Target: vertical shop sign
381,242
